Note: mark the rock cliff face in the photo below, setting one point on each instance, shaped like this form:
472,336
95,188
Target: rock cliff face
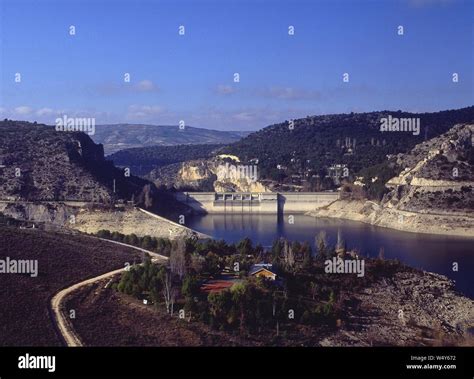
437,176
59,214
38,163
434,193
220,174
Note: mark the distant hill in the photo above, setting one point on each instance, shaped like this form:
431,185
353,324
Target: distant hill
355,139
38,163
143,160
124,136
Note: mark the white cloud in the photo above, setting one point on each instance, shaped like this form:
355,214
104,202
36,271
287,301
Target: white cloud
46,112
144,111
22,110
47,115
289,93
224,89
245,116
145,86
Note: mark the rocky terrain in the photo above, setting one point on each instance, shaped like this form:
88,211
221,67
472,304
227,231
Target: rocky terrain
434,192
410,309
38,163
438,175
220,174
62,179
130,221
299,155
88,219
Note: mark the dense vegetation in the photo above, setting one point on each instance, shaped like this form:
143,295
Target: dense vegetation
142,160
303,292
355,139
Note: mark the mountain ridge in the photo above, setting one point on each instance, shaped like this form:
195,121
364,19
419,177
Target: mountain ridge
116,137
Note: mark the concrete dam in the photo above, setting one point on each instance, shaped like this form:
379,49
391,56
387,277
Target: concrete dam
263,202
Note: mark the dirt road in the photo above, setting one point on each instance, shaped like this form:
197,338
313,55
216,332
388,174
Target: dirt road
62,320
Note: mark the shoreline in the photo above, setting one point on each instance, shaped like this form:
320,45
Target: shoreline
368,212
79,218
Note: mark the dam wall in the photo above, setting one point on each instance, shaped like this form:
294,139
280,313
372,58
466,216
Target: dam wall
302,202
264,202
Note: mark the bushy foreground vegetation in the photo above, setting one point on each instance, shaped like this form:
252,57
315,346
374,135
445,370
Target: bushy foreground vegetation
302,293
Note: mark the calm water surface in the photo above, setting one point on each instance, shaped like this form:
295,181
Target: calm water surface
425,251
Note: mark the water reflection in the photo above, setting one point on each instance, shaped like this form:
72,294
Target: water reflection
429,252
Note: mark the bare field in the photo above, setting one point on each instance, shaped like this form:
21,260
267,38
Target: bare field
62,261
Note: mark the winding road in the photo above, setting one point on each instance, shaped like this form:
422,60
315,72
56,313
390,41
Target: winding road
62,320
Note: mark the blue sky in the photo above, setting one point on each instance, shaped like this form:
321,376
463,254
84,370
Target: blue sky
191,77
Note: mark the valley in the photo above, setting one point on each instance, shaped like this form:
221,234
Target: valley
425,190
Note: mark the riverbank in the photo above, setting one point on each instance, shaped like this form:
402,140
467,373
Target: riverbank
137,221
84,217
371,213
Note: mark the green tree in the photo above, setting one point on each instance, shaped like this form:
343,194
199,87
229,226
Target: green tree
307,255
220,304
244,247
190,287
146,243
321,245
277,248
116,236
104,234
212,263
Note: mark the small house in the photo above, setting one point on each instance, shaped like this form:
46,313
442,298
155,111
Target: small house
263,270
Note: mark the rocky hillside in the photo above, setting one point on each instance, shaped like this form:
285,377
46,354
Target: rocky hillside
310,145
437,175
434,192
38,163
221,174
411,309
124,136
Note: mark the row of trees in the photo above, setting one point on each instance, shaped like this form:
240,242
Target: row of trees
158,245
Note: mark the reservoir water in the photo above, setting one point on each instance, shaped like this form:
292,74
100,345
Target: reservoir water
424,251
